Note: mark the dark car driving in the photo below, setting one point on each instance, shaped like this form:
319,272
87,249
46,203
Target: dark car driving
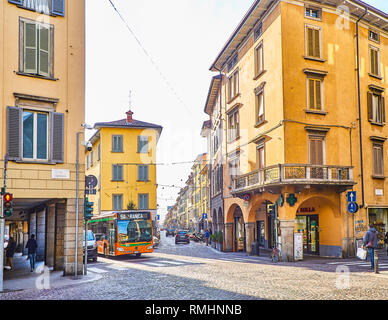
182,236
170,232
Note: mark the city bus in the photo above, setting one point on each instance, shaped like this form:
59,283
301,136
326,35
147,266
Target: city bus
123,233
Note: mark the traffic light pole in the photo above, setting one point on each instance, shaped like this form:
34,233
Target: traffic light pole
2,223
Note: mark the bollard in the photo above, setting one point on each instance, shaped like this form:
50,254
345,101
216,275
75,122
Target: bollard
376,257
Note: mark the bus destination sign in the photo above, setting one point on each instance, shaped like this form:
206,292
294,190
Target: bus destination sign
134,216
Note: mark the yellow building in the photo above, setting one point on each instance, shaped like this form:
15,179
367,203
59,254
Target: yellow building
42,94
293,127
123,159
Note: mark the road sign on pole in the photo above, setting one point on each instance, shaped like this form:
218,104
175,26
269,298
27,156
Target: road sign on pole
352,196
352,207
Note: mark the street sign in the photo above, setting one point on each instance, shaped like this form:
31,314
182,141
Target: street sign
91,182
92,191
204,216
352,207
352,196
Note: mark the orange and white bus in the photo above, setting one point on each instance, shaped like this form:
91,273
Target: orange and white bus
123,233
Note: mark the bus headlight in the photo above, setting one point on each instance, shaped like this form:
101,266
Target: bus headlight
120,249
149,247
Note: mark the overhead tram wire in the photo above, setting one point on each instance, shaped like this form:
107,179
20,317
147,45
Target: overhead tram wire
151,59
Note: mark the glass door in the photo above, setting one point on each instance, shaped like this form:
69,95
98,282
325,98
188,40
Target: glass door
261,233
313,235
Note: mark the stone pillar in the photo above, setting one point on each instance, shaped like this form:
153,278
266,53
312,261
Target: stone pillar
287,236
60,211
50,236
228,236
32,224
41,234
69,238
250,236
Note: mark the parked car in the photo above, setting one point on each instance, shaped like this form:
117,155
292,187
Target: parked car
170,232
182,236
92,246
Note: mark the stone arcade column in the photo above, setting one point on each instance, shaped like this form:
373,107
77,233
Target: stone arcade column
287,236
228,236
60,213
250,236
50,236
41,234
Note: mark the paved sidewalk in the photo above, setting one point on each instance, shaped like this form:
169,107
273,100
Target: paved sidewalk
21,278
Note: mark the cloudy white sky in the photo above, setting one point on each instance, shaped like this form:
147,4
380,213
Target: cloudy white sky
183,37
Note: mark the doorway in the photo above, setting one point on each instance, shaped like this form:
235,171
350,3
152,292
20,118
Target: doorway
239,230
309,226
260,227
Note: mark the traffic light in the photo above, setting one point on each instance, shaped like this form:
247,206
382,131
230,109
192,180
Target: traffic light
271,210
88,209
7,204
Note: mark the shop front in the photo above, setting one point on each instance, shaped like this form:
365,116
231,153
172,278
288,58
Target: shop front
378,217
308,225
238,231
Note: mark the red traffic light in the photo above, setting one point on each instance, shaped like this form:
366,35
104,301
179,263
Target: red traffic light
7,197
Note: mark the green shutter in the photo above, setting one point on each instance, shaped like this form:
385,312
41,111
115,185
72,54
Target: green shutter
57,137
14,135
44,50
30,48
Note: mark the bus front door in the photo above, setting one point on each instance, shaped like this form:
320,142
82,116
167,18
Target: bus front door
111,241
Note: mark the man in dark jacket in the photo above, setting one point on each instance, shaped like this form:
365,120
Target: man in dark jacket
32,246
11,247
370,242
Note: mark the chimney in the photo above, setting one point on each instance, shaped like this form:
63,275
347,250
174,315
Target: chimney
129,116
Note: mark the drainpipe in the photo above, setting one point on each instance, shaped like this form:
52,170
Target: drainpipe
359,106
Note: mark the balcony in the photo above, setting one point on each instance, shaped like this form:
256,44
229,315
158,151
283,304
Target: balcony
301,175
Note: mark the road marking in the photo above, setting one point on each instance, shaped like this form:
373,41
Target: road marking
174,262
97,270
154,264
116,267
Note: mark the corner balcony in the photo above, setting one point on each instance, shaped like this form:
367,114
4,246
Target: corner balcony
273,178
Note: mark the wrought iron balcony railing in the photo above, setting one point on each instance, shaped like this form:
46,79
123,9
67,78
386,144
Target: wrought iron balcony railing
294,174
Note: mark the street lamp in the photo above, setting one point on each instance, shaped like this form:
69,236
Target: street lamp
87,127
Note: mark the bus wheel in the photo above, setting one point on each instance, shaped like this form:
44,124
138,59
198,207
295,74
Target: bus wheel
138,255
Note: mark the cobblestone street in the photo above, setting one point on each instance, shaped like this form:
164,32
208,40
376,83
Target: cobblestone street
194,271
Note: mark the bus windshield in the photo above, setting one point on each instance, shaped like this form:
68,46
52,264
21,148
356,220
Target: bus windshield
134,231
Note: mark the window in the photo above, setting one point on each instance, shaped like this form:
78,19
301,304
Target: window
260,107
143,201
117,202
51,7
316,149
117,143
234,126
376,107
313,42
374,59
378,159
259,59
374,36
314,13
35,135
36,45
260,163
259,31
234,167
142,144
232,63
117,173
233,86
314,94
142,173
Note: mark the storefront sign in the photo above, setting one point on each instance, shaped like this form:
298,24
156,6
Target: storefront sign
298,246
291,199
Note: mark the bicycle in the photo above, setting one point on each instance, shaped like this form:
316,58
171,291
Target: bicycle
276,254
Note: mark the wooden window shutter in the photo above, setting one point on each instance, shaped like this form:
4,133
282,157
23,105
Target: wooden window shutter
370,106
311,94
310,42
14,135
44,50
317,44
319,144
318,95
58,7
30,48
313,152
383,109
57,137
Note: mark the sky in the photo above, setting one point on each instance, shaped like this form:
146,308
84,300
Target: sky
166,68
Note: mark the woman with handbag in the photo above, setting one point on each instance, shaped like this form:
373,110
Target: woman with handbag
370,242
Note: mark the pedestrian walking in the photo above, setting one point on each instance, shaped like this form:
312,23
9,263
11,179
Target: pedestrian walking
386,241
207,236
370,242
32,246
10,251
